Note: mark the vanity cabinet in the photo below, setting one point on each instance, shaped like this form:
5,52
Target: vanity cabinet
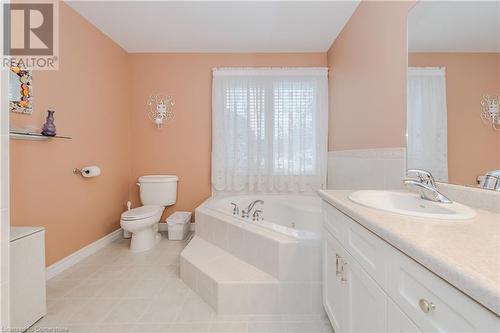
369,286
397,321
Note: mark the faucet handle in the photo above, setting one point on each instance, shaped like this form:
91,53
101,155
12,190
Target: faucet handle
256,216
424,176
236,209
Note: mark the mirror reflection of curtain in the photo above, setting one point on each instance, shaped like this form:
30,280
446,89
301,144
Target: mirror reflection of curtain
427,121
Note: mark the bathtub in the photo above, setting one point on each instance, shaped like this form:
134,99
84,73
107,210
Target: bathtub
285,246
292,215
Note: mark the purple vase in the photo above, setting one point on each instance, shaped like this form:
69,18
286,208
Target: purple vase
49,129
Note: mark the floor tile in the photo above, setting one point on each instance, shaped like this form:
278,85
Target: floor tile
87,289
304,327
195,310
189,327
93,312
147,328
115,290
228,327
266,327
127,311
113,328
164,310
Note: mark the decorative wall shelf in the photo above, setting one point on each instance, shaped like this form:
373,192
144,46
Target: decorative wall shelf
20,135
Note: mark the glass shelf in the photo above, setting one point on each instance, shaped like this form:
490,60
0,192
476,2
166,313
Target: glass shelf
20,135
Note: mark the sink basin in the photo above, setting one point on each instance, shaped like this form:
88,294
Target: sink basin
408,203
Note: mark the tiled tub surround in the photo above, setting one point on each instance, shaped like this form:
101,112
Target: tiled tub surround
244,267
357,169
466,253
114,290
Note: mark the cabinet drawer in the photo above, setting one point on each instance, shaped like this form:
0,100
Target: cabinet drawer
433,304
397,321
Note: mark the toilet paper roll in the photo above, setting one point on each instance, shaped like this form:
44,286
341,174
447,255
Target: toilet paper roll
91,171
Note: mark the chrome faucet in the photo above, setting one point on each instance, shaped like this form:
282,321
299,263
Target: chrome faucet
423,182
246,212
424,176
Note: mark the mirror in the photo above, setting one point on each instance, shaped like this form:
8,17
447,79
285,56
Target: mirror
453,91
20,90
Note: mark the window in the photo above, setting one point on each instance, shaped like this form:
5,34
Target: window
269,129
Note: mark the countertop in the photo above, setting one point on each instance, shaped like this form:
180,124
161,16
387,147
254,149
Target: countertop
21,232
464,253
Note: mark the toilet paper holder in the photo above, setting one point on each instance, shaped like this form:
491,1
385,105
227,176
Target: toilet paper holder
77,171
92,171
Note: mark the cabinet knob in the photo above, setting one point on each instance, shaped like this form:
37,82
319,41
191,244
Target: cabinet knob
426,306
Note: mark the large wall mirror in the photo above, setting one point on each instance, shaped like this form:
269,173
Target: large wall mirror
453,127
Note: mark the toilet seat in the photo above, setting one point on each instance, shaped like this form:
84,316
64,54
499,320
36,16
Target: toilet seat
141,213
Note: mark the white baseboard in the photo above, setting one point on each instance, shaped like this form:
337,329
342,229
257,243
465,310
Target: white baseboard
164,227
81,254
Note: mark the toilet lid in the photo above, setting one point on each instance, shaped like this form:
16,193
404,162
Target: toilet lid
141,212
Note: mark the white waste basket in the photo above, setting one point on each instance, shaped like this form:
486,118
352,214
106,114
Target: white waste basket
178,224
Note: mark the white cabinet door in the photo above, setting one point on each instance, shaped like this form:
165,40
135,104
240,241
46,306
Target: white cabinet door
333,290
366,302
353,300
27,279
397,321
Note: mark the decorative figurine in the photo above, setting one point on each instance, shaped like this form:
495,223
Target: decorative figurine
49,129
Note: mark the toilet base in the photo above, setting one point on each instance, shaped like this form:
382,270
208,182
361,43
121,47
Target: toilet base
144,240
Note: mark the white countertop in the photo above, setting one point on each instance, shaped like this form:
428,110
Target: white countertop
464,253
21,232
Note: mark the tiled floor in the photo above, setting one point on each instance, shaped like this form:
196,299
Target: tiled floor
118,291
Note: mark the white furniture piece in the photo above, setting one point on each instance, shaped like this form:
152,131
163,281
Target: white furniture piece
370,286
156,193
27,276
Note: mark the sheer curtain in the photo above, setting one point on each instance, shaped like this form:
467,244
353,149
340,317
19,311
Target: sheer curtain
427,121
269,129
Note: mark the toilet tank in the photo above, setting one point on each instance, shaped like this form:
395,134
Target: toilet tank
158,190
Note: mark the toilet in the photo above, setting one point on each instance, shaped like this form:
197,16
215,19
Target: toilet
156,193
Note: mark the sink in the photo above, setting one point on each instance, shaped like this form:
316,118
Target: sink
408,203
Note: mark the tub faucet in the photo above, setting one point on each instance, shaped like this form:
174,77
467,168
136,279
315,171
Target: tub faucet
245,213
425,185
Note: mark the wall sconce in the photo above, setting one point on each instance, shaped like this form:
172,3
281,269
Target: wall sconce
490,110
160,109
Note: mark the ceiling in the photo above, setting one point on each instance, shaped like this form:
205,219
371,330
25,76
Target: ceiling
211,26
469,26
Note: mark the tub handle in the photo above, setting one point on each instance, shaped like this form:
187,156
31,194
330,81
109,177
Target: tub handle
256,216
236,209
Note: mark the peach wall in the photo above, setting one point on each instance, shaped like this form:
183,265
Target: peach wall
473,147
367,79
90,94
183,146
